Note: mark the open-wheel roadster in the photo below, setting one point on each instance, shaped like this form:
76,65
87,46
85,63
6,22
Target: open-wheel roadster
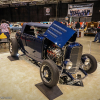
54,48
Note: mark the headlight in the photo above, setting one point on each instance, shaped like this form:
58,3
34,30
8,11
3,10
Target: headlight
68,64
87,61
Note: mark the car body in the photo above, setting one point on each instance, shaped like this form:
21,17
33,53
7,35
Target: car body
54,48
91,28
16,27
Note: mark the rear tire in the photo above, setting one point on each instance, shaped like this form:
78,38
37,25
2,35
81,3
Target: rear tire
93,64
13,47
49,73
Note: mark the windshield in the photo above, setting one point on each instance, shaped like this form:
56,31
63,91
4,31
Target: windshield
38,30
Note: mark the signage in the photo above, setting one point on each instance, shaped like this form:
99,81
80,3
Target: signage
79,10
47,10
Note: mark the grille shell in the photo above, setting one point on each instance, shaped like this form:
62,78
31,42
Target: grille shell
75,58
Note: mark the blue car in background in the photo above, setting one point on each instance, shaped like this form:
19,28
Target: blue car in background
15,27
53,47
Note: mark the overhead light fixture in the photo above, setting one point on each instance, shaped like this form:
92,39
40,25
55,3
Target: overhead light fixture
4,0
66,1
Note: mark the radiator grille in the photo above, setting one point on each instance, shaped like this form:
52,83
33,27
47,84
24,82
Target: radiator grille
75,58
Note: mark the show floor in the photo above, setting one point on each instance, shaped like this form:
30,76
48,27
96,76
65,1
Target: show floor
90,47
19,77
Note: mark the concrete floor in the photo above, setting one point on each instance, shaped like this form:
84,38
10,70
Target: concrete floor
90,47
19,77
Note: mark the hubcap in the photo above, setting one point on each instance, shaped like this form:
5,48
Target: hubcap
87,65
46,73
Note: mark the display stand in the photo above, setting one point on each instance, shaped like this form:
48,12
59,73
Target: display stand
13,58
81,32
50,93
4,40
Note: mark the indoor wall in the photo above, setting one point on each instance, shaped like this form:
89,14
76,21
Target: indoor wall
36,13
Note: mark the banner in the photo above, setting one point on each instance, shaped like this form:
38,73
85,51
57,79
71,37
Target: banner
80,10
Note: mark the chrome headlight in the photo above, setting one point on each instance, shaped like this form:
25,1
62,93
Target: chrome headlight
87,61
68,64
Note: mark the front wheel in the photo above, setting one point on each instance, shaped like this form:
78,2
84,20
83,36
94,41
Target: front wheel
49,73
89,63
13,47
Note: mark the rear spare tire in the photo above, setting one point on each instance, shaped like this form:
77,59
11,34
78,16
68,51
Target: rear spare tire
13,47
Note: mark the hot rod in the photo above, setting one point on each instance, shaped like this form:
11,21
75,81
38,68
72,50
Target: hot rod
54,48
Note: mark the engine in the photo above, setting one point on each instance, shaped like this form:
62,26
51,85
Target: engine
55,53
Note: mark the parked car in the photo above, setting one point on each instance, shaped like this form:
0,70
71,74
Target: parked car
54,48
16,27
91,28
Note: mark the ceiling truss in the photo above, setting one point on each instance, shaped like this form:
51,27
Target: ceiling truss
34,2
11,2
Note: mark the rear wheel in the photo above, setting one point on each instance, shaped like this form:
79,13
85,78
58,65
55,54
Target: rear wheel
49,73
90,65
13,47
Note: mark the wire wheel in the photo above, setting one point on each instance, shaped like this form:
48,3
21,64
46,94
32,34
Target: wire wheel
91,65
49,73
46,73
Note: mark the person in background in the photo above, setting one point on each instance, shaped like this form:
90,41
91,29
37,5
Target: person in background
97,36
77,26
73,25
8,23
5,28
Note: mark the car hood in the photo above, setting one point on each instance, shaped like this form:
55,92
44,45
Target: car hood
59,33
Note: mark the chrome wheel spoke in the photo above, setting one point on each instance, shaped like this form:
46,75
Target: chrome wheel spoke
46,73
87,67
10,47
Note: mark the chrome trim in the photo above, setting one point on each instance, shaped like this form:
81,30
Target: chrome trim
75,58
44,74
10,48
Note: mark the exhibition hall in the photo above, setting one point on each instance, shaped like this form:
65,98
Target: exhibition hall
49,49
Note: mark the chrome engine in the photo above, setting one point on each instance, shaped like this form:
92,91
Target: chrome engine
55,53
70,54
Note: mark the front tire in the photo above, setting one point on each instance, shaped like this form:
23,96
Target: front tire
49,73
13,47
92,66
